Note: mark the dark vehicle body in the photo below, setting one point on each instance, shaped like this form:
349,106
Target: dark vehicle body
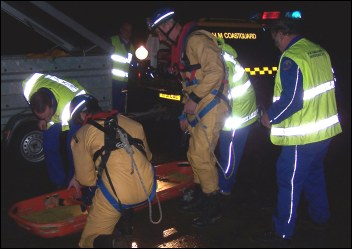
154,88
152,92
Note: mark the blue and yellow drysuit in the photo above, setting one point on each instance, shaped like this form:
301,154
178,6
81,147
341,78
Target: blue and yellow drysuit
61,92
132,187
203,74
303,120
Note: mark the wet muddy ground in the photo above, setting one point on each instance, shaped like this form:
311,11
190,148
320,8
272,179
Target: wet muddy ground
247,211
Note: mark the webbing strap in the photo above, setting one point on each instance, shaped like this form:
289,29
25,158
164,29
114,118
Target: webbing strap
120,207
192,69
138,143
191,83
209,106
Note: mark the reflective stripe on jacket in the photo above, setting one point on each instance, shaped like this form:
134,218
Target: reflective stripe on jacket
318,119
241,95
63,90
121,59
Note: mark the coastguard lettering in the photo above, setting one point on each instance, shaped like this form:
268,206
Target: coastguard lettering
218,35
237,36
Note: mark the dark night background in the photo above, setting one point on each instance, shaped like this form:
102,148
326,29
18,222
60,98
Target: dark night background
327,23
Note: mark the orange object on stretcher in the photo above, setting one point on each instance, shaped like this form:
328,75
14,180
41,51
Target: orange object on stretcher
59,213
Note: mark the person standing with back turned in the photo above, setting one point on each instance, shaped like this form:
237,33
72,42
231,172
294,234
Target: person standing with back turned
302,119
111,152
244,114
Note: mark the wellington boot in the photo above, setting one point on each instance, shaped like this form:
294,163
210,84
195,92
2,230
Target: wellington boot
104,241
192,200
125,224
211,211
122,242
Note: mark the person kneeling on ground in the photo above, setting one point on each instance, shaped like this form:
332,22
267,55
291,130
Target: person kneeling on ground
111,152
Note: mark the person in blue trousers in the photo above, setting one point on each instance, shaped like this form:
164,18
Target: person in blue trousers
303,119
244,114
49,98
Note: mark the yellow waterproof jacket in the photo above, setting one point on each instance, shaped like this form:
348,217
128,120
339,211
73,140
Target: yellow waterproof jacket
128,186
201,48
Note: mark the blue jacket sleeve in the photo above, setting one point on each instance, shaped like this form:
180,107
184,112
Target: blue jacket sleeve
291,99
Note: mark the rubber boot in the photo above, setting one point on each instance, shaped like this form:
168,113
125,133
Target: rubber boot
104,241
211,211
111,241
125,224
121,241
192,199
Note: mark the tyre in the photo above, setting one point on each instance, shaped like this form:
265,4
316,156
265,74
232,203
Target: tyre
27,146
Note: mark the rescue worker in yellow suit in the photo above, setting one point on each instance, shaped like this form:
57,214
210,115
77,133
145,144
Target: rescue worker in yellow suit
197,59
124,176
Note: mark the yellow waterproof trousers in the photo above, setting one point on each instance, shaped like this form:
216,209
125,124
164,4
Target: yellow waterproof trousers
101,220
203,140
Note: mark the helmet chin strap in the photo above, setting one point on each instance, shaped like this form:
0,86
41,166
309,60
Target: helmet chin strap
168,33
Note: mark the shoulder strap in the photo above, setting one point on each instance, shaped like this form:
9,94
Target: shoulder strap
107,148
102,149
111,142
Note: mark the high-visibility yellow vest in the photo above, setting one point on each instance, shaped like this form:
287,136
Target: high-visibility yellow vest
241,92
318,119
64,91
121,59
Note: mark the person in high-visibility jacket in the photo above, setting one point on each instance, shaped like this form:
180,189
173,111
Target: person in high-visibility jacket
197,60
116,161
303,119
121,57
49,98
244,114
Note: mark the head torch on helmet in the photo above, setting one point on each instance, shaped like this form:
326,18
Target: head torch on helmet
82,103
159,17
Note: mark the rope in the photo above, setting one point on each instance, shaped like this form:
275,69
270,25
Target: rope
203,127
211,149
128,148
